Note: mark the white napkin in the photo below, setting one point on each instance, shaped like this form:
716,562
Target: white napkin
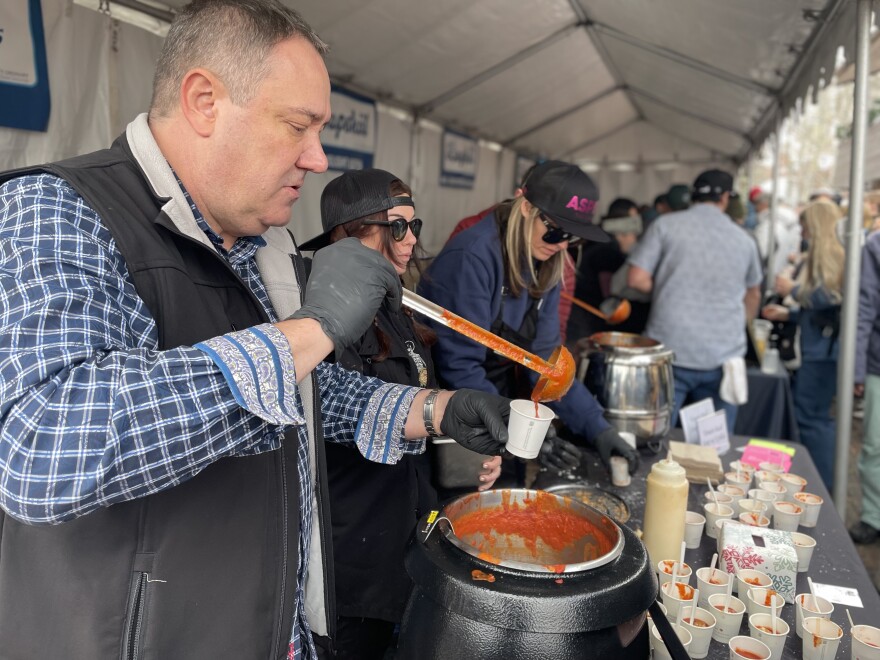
734,385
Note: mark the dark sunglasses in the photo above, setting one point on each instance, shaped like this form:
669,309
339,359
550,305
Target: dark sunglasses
555,234
399,227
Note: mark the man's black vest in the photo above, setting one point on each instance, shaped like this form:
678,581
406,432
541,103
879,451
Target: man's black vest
205,569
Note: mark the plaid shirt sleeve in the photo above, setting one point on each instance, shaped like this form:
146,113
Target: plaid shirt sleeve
91,413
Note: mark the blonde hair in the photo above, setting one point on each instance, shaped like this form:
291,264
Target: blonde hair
518,253
824,261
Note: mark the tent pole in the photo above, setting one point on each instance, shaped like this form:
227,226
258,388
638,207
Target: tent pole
770,274
849,312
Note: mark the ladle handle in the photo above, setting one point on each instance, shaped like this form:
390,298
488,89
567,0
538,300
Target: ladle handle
580,303
480,335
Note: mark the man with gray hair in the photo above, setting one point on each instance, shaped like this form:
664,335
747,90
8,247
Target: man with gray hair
163,401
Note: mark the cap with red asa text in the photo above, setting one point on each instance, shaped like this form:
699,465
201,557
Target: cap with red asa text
566,195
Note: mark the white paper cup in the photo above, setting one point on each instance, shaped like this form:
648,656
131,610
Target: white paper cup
754,519
770,361
744,467
811,504
735,492
747,578
726,623
660,652
710,582
752,506
662,609
761,628
793,484
786,516
760,335
766,475
865,643
774,487
770,466
742,648
821,638
764,496
741,479
701,630
693,529
715,512
760,601
807,606
526,431
628,438
674,595
664,571
620,471
803,546
718,498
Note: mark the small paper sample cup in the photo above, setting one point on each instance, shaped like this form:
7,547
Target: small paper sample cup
620,471
760,601
807,605
770,466
743,648
674,594
710,582
774,487
865,643
735,492
752,506
526,430
761,628
728,617
821,638
811,504
693,529
754,519
715,512
664,571
628,438
793,484
719,498
741,479
742,467
700,623
747,578
766,475
803,546
786,516
764,496
660,652
662,609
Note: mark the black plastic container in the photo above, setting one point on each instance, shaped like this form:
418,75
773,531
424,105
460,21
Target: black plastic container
454,612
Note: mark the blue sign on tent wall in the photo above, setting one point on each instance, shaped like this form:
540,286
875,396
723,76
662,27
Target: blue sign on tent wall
349,140
24,74
458,160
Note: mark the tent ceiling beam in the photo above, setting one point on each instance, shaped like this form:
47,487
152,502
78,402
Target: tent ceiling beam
697,143
690,113
495,69
598,138
561,115
165,15
674,56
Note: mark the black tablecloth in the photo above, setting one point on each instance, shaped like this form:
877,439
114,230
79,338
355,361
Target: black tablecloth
835,560
769,412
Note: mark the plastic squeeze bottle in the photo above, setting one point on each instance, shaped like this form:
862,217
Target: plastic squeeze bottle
665,509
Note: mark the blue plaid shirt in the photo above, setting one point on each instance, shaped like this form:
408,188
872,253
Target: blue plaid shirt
92,413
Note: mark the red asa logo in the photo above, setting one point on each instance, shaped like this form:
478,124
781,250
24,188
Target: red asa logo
581,205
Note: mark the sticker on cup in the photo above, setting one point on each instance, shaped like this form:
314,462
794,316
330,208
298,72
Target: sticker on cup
529,422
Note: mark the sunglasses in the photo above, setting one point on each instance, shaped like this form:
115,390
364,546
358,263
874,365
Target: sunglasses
399,227
555,234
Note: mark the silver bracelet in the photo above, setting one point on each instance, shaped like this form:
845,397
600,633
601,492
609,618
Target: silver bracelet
428,413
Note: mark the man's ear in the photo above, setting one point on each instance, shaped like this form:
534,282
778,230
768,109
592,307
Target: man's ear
199,92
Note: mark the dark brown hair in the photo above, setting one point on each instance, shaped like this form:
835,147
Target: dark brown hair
357,229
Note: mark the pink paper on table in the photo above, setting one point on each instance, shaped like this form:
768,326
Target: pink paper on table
754,455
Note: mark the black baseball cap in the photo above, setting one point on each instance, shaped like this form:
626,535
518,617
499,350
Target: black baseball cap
352,195
565,194
678,197
713,183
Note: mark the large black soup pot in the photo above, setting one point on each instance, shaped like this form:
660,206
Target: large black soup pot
511,601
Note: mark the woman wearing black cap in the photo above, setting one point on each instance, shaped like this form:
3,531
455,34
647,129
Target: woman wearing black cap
374,507
503,274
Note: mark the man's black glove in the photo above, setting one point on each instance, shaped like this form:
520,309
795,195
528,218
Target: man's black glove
346,287
477,420
609,441
558,454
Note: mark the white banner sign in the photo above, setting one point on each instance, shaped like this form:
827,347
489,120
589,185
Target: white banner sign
458,160
350,138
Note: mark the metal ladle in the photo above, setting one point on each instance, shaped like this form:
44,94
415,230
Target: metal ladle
557,373
618,314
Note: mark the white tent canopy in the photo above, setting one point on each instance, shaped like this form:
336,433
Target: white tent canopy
642,94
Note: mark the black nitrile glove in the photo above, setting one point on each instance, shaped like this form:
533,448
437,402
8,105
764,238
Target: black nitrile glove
558,454
346,287
477,420
609,441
